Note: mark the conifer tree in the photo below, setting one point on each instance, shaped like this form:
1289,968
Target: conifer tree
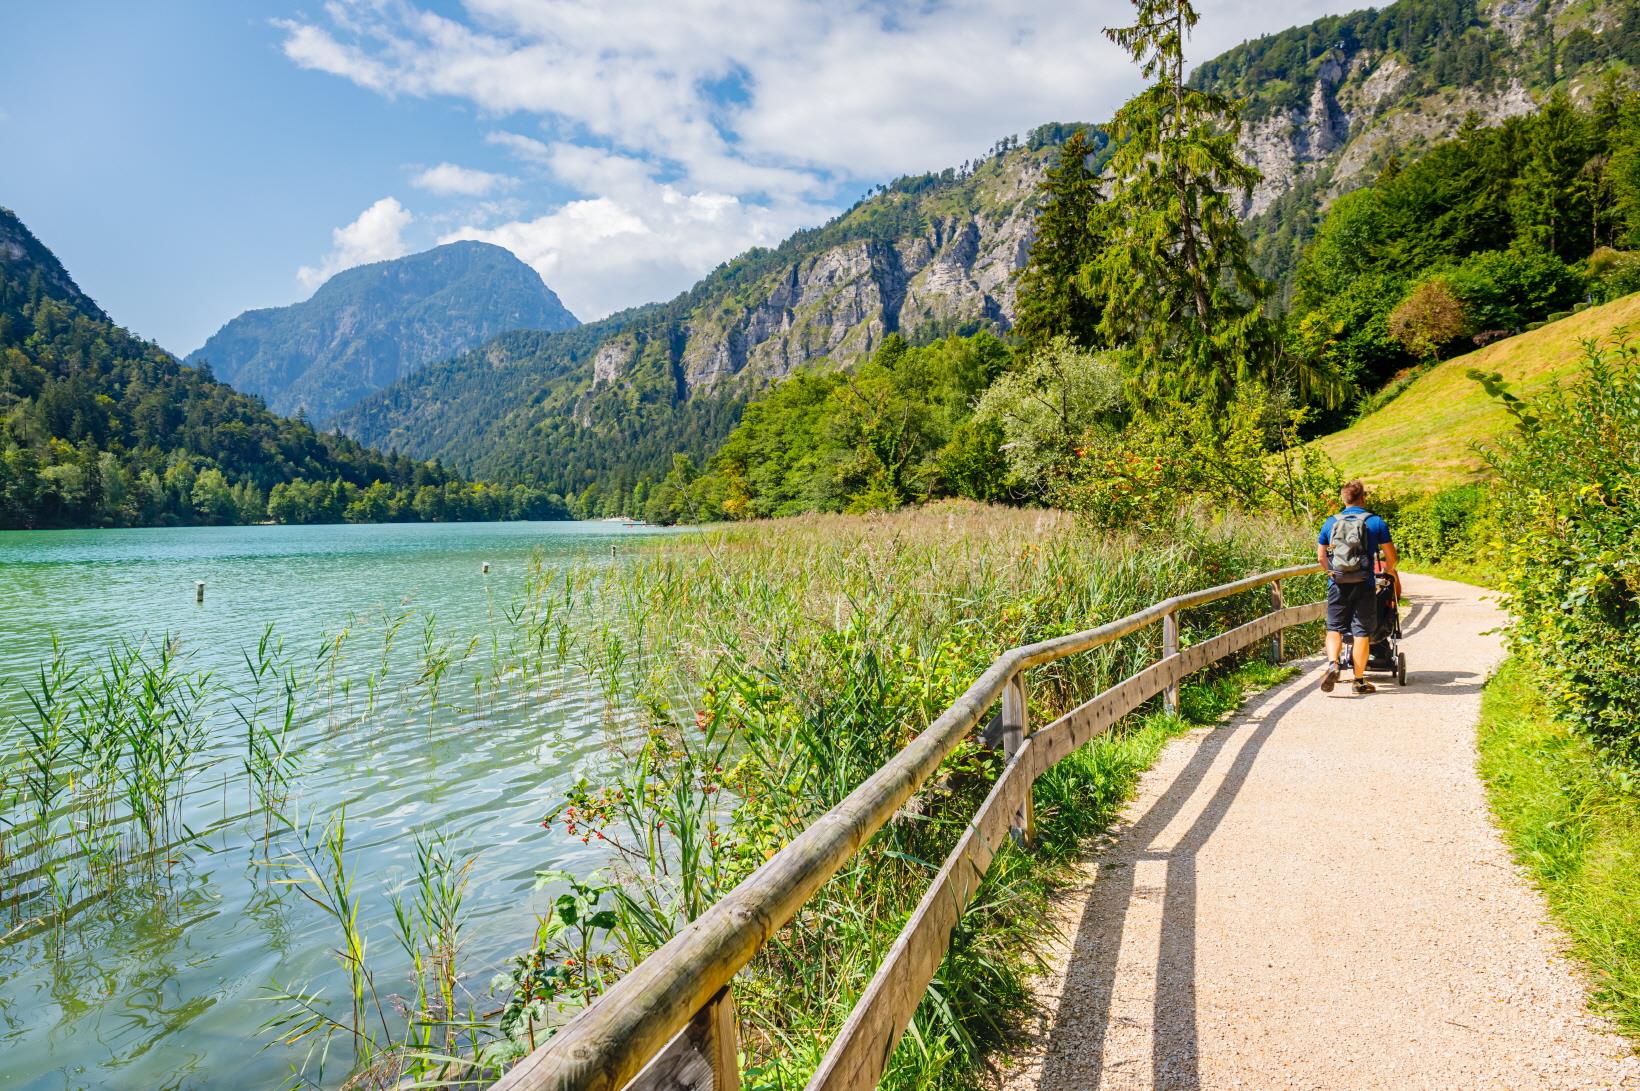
1173,271
1053,301
1551,210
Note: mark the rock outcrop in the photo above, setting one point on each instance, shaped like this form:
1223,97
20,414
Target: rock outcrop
1364,104
840,304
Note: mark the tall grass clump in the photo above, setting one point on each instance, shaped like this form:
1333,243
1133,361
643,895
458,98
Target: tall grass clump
101,758
784,662
392,1038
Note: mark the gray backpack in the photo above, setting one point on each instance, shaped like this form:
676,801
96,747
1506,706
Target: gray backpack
1350,556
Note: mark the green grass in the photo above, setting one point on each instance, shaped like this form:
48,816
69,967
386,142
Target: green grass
1474,573
1576,827
1426,438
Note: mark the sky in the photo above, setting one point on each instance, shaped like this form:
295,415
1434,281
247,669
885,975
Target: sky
191,159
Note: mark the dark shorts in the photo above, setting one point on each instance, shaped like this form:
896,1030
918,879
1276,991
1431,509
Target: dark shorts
1352,608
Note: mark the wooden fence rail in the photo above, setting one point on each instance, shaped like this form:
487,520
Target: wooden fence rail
669,1023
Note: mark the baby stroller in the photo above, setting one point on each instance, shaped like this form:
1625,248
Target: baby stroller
1384,654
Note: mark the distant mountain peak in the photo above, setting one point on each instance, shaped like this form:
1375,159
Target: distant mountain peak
371,325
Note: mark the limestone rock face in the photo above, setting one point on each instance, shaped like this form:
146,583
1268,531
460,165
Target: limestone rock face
838,305
614,359
1363,105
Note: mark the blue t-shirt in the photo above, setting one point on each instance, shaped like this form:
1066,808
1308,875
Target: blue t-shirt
1375,529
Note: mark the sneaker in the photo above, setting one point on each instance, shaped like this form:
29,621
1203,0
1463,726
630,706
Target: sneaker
1363,687
1329,678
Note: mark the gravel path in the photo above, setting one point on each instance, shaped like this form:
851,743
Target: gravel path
1314,896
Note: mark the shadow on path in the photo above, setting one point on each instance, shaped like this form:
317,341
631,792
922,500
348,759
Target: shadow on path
1174,1046
1422,611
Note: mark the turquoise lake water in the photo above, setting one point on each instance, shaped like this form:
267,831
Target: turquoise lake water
163,985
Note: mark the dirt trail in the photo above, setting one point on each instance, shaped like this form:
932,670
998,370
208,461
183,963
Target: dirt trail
1314,896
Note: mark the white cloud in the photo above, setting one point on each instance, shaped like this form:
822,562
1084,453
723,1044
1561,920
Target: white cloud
638,239
755,112
450,180
526,148
377,235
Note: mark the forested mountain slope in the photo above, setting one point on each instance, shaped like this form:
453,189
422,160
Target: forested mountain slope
1330,103
101,428
371,325
612,401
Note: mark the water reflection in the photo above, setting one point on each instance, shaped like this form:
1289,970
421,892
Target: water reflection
163,982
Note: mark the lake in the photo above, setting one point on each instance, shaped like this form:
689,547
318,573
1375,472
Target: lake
164,984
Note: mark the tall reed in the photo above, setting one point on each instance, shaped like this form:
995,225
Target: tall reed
780,664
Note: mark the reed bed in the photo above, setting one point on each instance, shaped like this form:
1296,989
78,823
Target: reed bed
783,662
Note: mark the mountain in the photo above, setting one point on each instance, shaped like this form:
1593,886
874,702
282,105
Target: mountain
1328,105
101,428
371,325
612,401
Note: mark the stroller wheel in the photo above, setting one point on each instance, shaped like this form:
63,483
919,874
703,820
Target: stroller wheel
1401,667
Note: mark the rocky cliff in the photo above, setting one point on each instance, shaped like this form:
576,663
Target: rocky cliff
1326,105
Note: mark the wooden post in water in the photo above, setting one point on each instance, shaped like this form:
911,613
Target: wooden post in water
199,590
1277,643
1170,647
1016,724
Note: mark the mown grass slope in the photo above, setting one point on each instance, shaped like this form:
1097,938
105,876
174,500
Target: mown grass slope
1430,435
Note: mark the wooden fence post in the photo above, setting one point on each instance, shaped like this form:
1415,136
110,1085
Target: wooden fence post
703,1056
1170,647
1016,724
1278,647
723,1041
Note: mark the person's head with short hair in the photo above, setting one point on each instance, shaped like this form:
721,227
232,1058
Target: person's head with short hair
1352,493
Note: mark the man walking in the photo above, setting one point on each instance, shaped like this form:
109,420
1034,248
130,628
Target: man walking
1349,546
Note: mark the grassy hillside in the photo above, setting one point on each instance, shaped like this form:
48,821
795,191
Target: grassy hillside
1427,438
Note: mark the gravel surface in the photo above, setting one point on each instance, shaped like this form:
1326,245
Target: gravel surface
1314,896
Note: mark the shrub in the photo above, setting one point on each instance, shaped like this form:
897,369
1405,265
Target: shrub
1613,273
1505,289
1049,408
1249,459
1568,490
1454,526
1430,318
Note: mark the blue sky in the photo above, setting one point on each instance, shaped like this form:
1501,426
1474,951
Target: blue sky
190,159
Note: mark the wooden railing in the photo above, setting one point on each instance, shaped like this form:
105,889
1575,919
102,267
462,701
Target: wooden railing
670,1023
